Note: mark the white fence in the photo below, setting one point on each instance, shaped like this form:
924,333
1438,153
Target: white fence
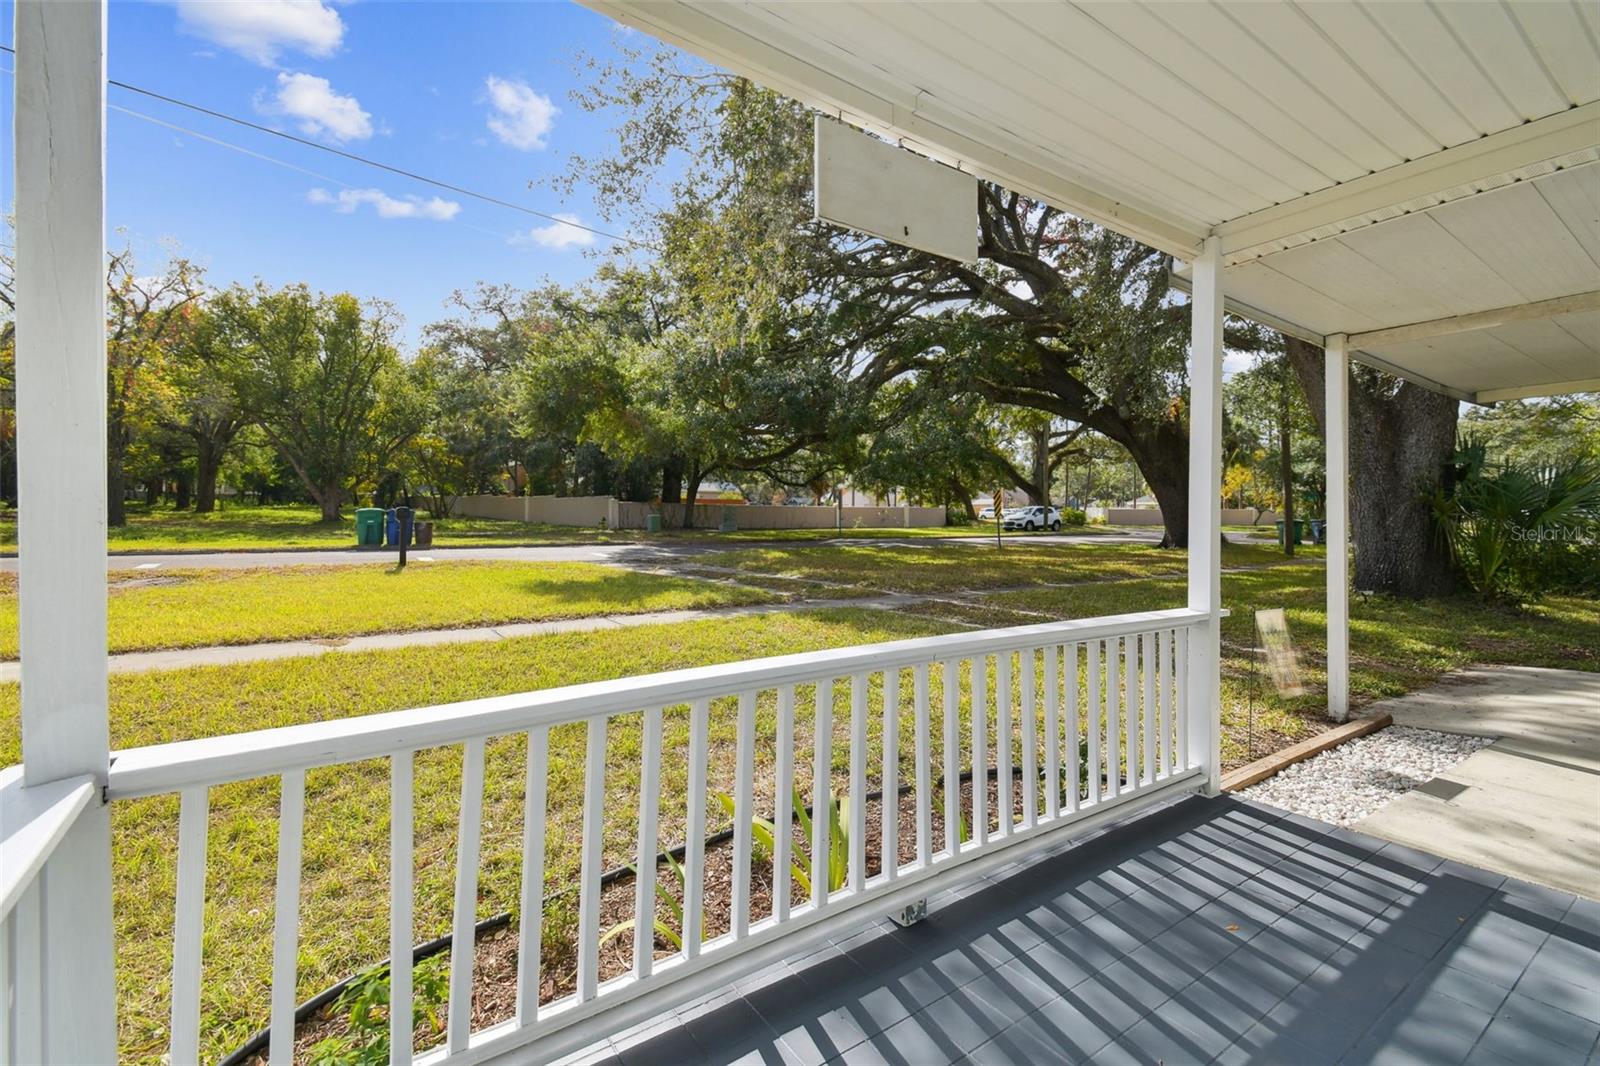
550,510
1070,720
626,514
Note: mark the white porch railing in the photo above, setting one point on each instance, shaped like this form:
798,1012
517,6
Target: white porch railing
1124,677
33,822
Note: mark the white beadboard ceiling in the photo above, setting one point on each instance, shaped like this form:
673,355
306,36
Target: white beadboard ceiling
1366,165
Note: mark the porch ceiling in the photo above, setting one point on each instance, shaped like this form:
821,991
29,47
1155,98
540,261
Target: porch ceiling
1366,166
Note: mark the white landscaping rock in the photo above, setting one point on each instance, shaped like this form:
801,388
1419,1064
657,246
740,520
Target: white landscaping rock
1345,784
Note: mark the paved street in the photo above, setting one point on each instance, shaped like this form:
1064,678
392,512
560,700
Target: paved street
621,554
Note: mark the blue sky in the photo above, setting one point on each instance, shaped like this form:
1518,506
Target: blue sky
476,94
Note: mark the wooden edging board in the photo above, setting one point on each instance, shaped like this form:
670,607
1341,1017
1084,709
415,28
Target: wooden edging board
1265,767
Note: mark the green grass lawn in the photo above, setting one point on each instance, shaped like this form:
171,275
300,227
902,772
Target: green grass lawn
1397,646
947,567
197,608
344,897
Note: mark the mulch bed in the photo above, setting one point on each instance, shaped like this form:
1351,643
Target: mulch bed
494,986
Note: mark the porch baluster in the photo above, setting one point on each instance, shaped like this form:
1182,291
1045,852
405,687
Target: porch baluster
1005,786
858,782
286,916
401,818
644,900
1030,740
530,934
743,811
463,930
594,801
1052,732
922,758
951,684
694,853
783,814
821,788
890,807
193,815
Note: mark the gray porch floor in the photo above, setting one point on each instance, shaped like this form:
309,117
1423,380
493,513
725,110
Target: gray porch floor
1207,931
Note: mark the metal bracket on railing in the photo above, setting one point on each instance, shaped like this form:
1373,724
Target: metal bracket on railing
912,914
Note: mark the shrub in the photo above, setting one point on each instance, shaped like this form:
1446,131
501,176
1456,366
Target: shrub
1517,532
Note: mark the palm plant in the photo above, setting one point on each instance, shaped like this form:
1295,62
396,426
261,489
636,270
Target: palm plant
1497,522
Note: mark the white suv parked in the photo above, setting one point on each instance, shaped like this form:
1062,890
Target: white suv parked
1033,518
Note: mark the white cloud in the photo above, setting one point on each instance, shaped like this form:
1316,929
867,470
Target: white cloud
559,235
320,111
520,116
346,201
260,29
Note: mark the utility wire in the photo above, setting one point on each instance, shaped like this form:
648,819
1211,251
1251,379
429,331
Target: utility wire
274,160
353,157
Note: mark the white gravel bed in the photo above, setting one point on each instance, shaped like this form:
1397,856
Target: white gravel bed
1345,784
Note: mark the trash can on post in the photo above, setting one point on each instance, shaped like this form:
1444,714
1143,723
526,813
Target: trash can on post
369,527
405,518
399,526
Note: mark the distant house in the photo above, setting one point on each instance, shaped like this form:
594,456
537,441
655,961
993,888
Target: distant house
720,493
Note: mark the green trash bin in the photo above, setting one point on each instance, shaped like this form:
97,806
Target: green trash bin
369,527
652,523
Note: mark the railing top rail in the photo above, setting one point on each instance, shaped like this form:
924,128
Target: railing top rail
240,756
33,820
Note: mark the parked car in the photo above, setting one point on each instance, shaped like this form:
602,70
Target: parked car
1033,518
987,514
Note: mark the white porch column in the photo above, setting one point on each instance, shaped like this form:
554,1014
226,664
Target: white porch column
1205,510
61,434
1336,394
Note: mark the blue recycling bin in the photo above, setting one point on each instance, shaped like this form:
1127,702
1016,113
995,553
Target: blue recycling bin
392,524
1317,530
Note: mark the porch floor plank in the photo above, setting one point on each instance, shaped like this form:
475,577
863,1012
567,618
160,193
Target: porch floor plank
1206,931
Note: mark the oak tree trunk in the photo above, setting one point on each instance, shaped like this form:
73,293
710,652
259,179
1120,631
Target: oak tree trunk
205,487
1286,465
1401,437
328,498
691,490
1039,488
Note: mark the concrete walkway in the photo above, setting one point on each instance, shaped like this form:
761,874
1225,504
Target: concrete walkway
230,654
1528,805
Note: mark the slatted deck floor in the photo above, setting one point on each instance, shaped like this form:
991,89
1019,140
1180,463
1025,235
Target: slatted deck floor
1208,931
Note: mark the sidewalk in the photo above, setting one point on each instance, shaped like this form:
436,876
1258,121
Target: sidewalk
1526,806
230,654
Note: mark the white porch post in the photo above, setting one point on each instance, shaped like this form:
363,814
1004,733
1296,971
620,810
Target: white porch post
61,433
1205,511
1336,390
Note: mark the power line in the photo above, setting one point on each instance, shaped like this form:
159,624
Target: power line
352,157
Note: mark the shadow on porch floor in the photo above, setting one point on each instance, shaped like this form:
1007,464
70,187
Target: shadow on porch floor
1207,931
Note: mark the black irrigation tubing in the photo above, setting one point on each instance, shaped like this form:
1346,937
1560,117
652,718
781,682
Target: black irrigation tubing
259,1041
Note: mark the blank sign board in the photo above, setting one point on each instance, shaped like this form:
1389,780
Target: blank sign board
868,185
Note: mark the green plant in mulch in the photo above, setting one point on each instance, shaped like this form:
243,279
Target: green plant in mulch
365,1005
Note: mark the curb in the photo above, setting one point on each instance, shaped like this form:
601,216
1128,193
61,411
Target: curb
1265,767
